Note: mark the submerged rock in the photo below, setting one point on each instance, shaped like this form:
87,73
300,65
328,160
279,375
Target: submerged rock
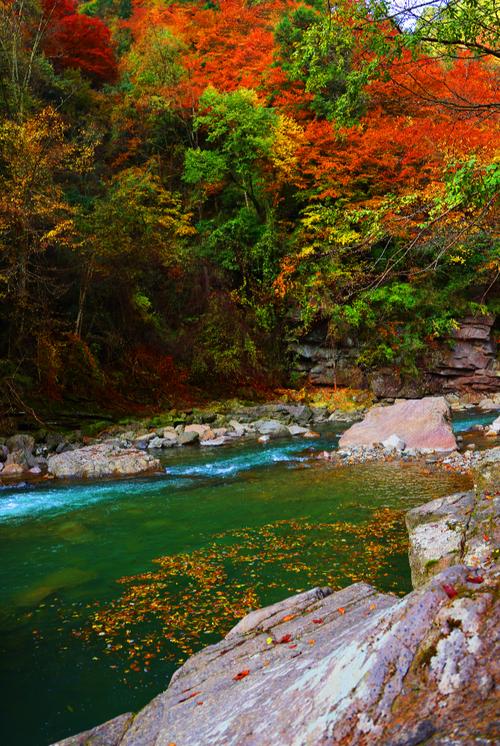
101,460
421,423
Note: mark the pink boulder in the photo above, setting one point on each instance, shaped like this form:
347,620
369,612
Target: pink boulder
420,423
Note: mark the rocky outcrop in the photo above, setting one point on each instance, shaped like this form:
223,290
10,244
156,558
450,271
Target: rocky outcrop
418,423
352,667
471,363
459,528
101,460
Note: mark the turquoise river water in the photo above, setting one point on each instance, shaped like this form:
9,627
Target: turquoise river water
105,588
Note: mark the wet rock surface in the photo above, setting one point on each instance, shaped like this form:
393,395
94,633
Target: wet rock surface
417,423
355,667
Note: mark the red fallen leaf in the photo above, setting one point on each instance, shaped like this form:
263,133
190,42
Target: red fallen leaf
317,621
285,638
199,703
292,647
475,579
341,610
450,591
189,696
241,675
486,537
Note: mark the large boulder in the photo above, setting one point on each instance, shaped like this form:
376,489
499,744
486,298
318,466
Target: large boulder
355,667
101,460
437,533
421,423
272,428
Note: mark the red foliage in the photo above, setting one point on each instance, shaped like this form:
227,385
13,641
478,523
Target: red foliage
77,41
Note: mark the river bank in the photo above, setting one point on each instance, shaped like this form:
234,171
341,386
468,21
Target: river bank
135,447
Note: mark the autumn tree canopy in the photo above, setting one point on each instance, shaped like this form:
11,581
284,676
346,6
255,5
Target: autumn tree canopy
187,187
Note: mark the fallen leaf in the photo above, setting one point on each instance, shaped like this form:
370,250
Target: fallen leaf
241,675
288,618
341,610
269,640
311,642
189,696
450,590
284,639
475,579
317,621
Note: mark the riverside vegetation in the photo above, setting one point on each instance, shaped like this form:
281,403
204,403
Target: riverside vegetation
187,188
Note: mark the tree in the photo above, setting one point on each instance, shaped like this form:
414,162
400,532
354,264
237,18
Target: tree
73,40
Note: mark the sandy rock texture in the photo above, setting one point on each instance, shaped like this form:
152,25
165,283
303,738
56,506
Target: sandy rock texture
418,423
101,460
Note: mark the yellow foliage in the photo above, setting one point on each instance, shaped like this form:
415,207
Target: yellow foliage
288,137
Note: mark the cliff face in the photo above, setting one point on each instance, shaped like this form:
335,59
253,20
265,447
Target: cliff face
468,364
356,666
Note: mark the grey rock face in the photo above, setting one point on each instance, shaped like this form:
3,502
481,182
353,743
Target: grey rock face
352,667
273,428
21,442
188,438
437,533
393,442
102,460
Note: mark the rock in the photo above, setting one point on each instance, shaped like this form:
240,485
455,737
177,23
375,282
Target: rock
436,532
143,440
12,470
188,437
495,425
487,404
20,442
312,434
35,470
101,460
238,428
202,430
107,734
272,428
263,439
213,442
297,430
4,452
1,466
421,423
52,440
155,443
394,442
355,667
471,363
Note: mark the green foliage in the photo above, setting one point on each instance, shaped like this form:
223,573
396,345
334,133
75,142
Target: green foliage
239,134
225,349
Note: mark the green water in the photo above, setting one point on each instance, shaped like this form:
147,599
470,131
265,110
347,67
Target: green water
232,528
